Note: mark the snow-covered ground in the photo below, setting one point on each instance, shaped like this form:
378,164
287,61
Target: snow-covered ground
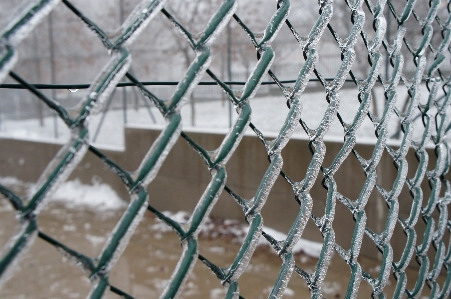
268,115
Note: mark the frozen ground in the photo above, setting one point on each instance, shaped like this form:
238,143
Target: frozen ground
212,116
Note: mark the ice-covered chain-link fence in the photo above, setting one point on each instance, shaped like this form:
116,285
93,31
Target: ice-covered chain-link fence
434,111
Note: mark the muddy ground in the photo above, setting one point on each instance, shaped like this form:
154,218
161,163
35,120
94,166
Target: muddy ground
149,259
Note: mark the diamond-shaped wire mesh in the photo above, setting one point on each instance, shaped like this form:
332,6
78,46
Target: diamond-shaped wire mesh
429,57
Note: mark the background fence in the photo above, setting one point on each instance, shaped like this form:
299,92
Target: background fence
390,88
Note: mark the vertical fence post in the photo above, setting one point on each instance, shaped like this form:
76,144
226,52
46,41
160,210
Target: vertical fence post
229,66
124,90
52,72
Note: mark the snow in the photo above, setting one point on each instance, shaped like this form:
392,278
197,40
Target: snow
180,216
237,230
74,194
310,248
331,288
69,228
98,197
288,292
11,181
217,293
216,249
212,116
95,240
30,129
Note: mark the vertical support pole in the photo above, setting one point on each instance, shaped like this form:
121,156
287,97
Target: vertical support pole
124,89
124,104
103,116
37,62
229,66
52,71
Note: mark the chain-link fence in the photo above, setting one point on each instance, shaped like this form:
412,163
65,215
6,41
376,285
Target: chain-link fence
388,47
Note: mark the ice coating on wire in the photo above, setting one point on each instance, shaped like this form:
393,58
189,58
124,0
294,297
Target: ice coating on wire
397,49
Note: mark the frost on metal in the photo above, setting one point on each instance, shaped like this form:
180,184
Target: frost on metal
429,60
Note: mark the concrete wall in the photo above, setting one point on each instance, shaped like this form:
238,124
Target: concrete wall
184,176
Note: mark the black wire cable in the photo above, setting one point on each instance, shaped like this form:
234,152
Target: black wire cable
156,83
